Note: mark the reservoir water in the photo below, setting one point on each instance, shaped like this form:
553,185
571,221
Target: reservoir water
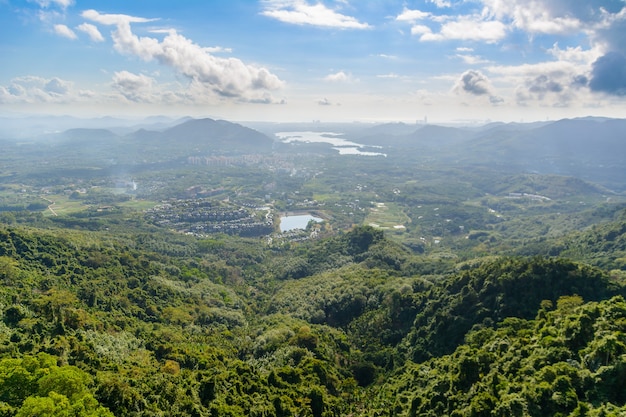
343,146
296,222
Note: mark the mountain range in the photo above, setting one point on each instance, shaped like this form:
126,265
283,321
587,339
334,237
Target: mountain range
593,149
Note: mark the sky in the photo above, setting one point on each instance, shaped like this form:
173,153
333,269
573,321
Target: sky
303,60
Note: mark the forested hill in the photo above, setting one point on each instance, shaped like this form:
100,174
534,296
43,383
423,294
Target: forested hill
160,324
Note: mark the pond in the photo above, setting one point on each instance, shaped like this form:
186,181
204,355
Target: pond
296,222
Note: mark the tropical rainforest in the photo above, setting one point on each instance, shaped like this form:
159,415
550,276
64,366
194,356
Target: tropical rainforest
430,285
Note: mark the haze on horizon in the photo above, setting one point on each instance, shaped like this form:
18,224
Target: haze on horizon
302,60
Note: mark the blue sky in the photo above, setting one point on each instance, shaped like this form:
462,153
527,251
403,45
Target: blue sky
302,60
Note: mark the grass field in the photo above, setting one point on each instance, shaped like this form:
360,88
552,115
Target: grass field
388,216
60,204
139,205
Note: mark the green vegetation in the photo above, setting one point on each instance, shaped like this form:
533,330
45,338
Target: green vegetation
159,286
110,324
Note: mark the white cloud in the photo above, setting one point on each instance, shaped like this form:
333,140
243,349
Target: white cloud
441,3
534,70
575,54
33,89
420,30
64,31
474,27
16,89
91,31
536,16
64,4
409,15
135,87
553,83
324,102
49,16
338,77
300,12
390,75
469,28
113,19
217,50
226,77
603,21
472,59
57,87
474,83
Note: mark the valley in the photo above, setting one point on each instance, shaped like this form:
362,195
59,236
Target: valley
437,270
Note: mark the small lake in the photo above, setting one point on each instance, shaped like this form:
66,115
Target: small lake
343,146
296,222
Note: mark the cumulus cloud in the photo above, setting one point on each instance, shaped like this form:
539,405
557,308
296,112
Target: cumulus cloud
217,49
300,12
64,31
56,86
524,71
113,19
420,30
32,89
474,83
609,74
409,15
91,31
390,75
64,4
472,59
537,16
556,83
324,102
469,28
474,27
579,81
338,77
542,85
603,21
226,77
575,54
441,3
135,87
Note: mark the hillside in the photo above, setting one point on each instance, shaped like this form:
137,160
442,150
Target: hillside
146,274
102,148
592,149
144,324
209,136
567,361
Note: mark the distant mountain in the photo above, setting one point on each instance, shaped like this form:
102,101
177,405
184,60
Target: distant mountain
103,147
199,137
398,128
513,126
426,137
92,135
591,149
434,136
21,127
217,135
